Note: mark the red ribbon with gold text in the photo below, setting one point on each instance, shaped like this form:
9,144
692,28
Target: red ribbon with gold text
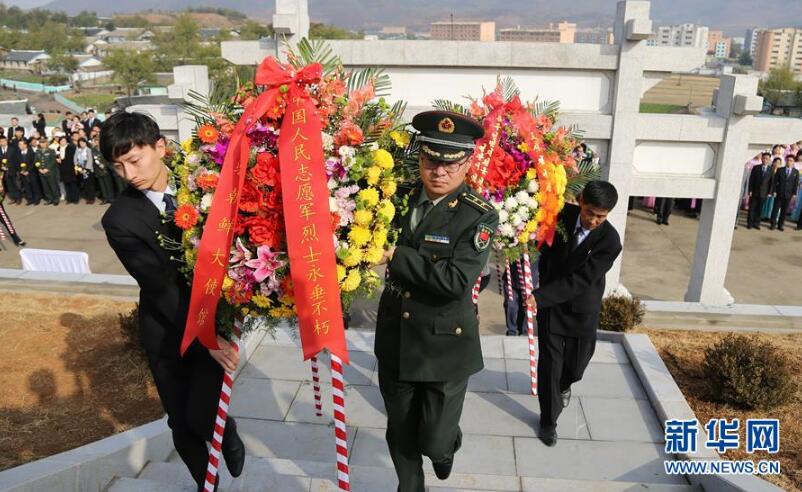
306,214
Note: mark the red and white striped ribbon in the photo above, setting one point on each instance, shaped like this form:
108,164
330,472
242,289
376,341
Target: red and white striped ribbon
340,432
498,274
530,322
6,220
508,273
213,467
316,387
521,279
475,290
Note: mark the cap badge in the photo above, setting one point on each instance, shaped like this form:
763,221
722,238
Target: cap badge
446,125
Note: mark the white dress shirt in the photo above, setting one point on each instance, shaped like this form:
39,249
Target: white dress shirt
580,231
157,197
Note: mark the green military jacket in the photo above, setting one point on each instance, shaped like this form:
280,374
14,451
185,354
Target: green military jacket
101,167
427,327
47,160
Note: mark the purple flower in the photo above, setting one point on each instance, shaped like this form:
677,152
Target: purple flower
217,151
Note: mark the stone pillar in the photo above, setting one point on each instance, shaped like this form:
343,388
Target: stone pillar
736,101
290,23
632,28
188,78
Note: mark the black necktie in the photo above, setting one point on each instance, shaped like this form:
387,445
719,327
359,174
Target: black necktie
169,203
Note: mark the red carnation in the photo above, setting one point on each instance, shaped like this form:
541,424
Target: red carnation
250,197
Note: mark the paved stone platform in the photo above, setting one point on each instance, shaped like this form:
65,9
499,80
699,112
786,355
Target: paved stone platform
610,437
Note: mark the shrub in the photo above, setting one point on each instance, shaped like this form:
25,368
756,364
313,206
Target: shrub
620,313
748,373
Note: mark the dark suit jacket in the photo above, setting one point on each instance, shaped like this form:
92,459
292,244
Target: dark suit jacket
12,129
131,224
5,155
759,181
67,166
427,328
29,159
786,186
572,282
89,125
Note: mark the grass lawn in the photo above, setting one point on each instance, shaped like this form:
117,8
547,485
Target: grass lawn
683,353
99,101
661,108
68,375
22,76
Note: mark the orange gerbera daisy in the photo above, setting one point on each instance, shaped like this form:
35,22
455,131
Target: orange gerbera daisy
208,134
186,216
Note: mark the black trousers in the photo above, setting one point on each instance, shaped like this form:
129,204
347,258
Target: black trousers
422,420
88,187
72,192
32,188
755,210
663,208
12,185
106,184
780,209
562,362
189,389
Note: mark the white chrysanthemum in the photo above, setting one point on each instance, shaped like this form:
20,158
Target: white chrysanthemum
333,207
346,152
511,204
533,203
206,202
506,230
523,214
522,197
515,220
498,205
328,142
532,187
374,146
503,216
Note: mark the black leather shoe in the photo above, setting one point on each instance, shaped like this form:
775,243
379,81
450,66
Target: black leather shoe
781,229
566,396
442,469
233,449
549,436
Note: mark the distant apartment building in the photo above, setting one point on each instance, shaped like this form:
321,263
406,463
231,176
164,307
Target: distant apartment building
689,35
463,31
713,37
751,40
723,48
594,36
562,32
394,30
779,48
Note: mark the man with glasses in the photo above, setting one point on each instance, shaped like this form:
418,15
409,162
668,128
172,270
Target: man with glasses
427,330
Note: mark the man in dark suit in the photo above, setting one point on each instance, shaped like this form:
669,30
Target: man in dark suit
786,184
13,178
427,330
91,122
15,127
663,207
569,298
759,189
8,164
188,387
29,174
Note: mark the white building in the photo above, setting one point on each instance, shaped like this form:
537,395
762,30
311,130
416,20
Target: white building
688,35
751,40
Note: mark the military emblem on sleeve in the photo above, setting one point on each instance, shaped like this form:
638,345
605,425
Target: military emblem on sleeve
484,234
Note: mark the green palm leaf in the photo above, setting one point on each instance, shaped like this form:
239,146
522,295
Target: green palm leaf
315,51
359,79
586,172
446,105
548,108
509,88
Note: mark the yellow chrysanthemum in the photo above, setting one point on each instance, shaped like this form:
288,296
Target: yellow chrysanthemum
353,258
263,302
372,175
523,147
523,237
363,217
531,174
540,215
191,256
386,210
370,196
227,283
400,138
281,312
383,159
531,226
245,311
186,145
183,197
287,299
352,281
340,273
380,237
359,235
374,255
388,187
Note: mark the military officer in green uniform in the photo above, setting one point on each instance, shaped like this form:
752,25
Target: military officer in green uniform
48,172
427,331
102,173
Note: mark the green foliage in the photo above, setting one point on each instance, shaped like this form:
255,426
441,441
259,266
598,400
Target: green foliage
745,59
780,82
319,30
252,31
748,373
659,108
99,101
446,105
586,172
178,45
131,69
84,19
381,81
230,14
620,313
314,51
60,62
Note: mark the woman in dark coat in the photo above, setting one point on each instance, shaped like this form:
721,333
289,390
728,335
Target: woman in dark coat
40,125
66,167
